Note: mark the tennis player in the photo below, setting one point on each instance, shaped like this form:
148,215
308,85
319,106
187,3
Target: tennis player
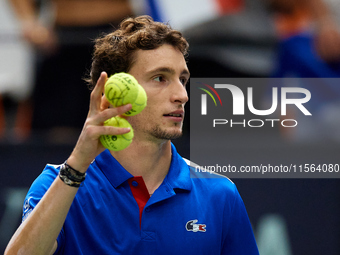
145,199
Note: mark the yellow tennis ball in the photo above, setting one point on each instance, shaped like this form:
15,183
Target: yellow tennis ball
117,142
121,88
139,104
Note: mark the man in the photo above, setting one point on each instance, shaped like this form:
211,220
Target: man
140,200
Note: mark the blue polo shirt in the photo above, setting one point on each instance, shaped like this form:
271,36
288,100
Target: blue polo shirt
112,212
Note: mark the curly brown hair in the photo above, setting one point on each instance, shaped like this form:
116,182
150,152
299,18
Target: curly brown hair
114,52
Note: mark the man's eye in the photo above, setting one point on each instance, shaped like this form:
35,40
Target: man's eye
183,81
159,79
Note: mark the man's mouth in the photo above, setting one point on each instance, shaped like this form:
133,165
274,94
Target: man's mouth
175,115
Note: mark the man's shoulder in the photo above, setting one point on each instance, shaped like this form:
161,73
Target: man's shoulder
197,171
209,179
48,174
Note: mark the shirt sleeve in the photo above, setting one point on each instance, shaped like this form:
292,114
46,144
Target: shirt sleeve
239,238
37,190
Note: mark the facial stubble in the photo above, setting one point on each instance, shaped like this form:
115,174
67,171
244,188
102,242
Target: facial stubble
159,133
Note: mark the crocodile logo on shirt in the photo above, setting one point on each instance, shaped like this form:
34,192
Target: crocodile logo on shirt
194,227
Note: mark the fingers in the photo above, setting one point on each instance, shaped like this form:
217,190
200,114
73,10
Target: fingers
99,118
94,128
100,112
112,112
109,130
96,94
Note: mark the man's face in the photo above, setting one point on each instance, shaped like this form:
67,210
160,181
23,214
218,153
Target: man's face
163,73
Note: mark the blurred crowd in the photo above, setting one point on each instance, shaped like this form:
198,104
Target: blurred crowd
46,47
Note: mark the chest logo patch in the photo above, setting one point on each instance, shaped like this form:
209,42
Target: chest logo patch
194,227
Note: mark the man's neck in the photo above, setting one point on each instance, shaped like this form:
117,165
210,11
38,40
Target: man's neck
149,160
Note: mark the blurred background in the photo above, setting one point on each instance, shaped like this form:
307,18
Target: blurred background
45,52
